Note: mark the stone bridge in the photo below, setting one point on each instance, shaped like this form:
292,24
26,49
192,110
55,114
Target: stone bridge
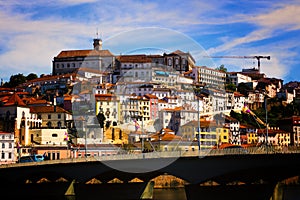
222,166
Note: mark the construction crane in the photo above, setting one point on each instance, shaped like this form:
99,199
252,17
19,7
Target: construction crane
253,57
246,110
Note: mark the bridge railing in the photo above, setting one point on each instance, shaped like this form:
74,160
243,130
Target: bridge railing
164,154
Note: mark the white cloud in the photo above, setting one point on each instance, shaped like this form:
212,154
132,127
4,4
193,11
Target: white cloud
30,44
287,17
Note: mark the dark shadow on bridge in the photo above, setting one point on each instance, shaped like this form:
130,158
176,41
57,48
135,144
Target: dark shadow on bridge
251,170
194,170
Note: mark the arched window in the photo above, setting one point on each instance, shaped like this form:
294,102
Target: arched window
3,145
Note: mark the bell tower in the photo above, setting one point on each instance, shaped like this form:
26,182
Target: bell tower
97,42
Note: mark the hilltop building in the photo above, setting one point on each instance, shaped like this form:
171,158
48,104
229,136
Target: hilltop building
69,61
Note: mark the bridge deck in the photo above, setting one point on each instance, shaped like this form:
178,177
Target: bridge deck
164,154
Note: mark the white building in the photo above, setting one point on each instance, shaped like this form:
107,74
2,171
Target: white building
70,61
209,76
235,101
50,137
134,68
236,78
161,92
7,146
15,110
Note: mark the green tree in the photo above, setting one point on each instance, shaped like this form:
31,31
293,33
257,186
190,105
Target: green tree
222,68
230,87
31,76
16,80
243,88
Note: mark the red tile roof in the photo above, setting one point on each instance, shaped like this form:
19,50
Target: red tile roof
47,109
151,96
271,131
1,132
105,97
134,59
14,100
203,123
237,94
84,53
52,78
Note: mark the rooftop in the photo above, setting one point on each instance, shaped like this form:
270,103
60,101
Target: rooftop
84,53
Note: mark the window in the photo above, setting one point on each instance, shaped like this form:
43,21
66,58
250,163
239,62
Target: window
170,62
9,155
54,135
49,116
58,116
3,145
49,124
10,145
2,155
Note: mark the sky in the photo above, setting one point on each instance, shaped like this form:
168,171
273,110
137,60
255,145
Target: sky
33,32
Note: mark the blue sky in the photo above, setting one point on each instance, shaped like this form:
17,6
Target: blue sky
33,32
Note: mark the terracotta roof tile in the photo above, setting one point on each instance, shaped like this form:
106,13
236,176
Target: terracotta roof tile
134,59
151,96
52,78
14,100
47,109
84,53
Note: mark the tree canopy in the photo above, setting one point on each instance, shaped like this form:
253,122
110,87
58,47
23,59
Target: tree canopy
18,79
222,68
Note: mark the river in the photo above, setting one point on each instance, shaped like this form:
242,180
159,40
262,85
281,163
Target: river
169,194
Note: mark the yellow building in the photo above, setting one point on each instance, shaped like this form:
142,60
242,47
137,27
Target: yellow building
252,138
115,135
222,135
208,133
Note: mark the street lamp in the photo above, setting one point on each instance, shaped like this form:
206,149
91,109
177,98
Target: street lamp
267,131
85,133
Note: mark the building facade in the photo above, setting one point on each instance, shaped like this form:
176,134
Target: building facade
8,148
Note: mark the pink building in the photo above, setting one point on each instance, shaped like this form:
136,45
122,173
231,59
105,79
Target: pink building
153,105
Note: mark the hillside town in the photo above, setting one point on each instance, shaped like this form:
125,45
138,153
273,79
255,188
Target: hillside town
94,103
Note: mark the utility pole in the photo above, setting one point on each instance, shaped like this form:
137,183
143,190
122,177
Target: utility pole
267,131
197,90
